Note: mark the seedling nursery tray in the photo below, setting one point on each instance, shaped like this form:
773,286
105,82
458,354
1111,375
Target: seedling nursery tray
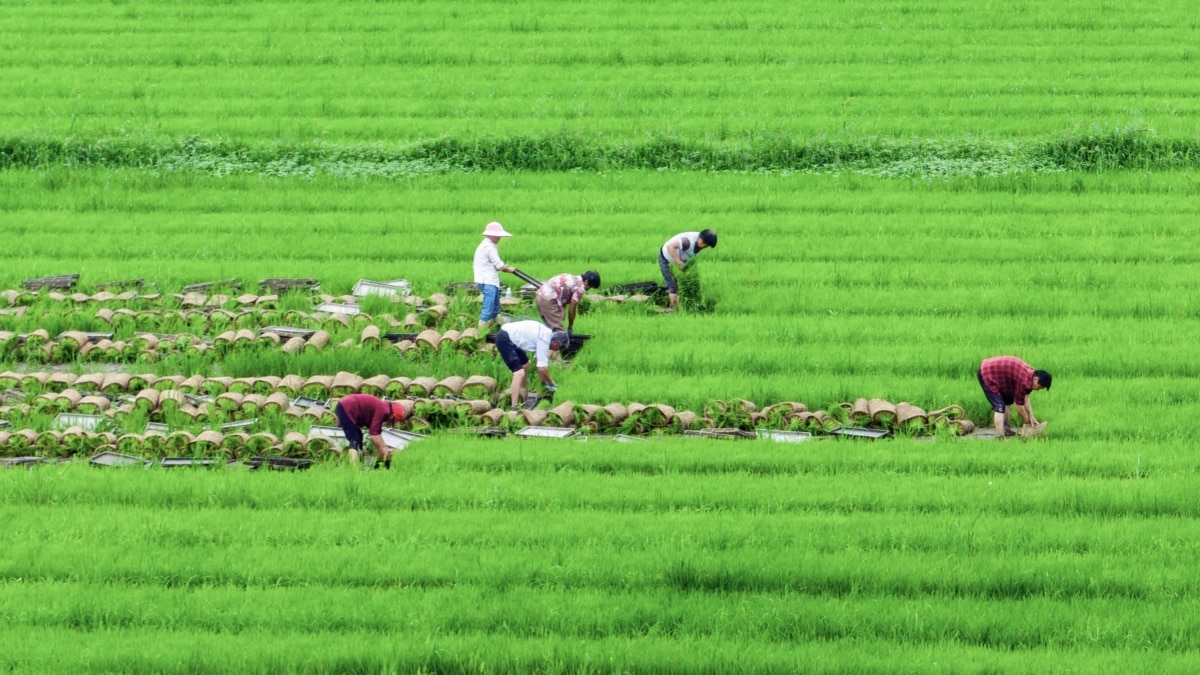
175,462
861,432
782,436
109,458
22,461
279,463
547,432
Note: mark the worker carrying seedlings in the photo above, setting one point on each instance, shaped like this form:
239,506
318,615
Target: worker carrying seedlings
488,266
363,410
1007,380
515,339
562,294
679,249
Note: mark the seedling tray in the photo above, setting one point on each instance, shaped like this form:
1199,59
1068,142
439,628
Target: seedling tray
338,308
62,282
22,461
328,432
85,422
626,438
279,463
109,458
307,402
723,433
174,462
284,285
398,439
288,331
860,432
207,285
5,423
127,283
157,426
547,432
781,436
241,424
493,432
366,287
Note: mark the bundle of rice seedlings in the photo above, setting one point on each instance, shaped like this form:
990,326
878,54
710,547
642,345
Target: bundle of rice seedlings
206,444
105,314
21,443
657,415
882,412
192,385
950,412
9,380
474,407
433,315
1032,430
449,340
291,385
411,320
470,339
49,444
71,341
214,386
320,415
961,427
317,386
139,382
406,346
561,415
397,387
37,339
318,342
295,412
169,382
242,385
179,443
276,403
144,342
419,425
611,415
685,420
429,340
243,338
47,403
294,345
252,404
232,444
271,339
34,382
223,343
93,405
584,412
4,450
130,444
319,447
422,387
337,321
344,384
375,386
154,444
449,385
860,412
265,385
370,337
492,418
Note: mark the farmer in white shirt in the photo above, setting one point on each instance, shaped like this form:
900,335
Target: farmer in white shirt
679,249
515,339
564,292
488,266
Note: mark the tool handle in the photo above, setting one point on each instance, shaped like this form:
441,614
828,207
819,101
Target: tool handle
526,277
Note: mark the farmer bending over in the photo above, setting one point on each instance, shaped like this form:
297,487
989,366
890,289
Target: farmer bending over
515,339
564,292
1007,380
488,266
679,249
363,410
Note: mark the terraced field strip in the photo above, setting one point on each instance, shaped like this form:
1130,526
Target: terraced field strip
369,73
684,554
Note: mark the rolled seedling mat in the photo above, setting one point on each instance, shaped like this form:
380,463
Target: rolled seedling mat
479,386
265,385
93,405
116,383
658,415
294,412
72,340
295,444
291,385
422,387
224,339
166,382
170,400
276,403
449,340
233,443
229,402
370,336
684,420
1032,430
406,346
429,339
270,339
49,444
397,387
138,382
319,446
252,404
144,342
130,444
470,338
616,413
375,385
909,415
344,384
585,412
883,412
561,415
950,412
338,320
860,412
475,406
243,337
317,342
492,418
260,443
35,381
72,397
450,385
193,385
146,399
317,386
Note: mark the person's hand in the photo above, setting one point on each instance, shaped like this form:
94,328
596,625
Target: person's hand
551,388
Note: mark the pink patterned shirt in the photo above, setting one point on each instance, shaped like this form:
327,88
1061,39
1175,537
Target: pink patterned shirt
563,289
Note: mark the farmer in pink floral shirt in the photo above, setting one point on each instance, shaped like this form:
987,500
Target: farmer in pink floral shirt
561,295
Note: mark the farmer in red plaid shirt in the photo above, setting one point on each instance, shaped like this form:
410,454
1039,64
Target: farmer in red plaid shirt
1007,380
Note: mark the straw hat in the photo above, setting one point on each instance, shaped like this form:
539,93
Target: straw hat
495,229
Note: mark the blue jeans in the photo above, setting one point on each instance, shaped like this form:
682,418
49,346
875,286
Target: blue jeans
491,302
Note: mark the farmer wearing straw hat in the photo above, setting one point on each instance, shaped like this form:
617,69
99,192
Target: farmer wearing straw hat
515,339
488,266
1007,380
564,292
363,410
679,249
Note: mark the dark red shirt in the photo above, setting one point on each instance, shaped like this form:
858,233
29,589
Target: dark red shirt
1008,376
366,411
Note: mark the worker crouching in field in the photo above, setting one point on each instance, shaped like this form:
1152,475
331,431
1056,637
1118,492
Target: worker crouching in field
515,339
679,249
488,266
1007,380
356,411
561,295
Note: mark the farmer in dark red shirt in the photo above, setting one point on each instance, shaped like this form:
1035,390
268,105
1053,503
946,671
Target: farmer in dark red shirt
1007,380
363,410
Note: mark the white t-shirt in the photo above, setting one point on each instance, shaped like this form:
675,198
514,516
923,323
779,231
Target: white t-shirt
687,246
487,263
532,336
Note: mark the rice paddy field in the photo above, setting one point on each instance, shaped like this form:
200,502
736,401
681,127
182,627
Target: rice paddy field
900,189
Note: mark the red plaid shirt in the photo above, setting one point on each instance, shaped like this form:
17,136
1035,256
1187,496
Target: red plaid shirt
1008,376
366,411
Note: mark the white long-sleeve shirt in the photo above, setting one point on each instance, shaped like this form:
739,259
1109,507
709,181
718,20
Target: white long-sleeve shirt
532,336
487,263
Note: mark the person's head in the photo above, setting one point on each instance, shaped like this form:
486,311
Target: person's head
708,239
559,340
495,231
591,279
1041,379
398,413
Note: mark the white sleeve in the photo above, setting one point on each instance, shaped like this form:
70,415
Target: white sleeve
543,353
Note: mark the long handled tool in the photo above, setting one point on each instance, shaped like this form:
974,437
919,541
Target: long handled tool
526,277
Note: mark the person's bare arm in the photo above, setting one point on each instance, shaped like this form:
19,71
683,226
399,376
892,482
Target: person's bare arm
673,252
571,315
380,446
544,374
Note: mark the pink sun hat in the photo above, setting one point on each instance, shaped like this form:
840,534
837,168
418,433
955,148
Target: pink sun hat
495,229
